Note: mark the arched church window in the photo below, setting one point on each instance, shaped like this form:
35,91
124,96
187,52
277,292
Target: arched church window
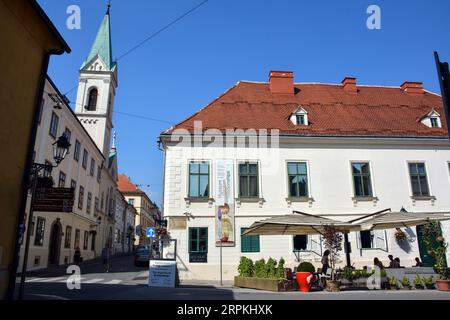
92,101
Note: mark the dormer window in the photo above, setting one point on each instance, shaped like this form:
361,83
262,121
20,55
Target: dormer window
299,117
434,122
432,119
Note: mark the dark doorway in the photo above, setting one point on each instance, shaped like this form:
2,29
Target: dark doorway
55,243
300,242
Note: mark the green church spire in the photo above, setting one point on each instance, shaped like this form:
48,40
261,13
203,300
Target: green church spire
102,44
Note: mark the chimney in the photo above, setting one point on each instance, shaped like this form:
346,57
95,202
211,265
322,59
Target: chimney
412,87
281,82
349,84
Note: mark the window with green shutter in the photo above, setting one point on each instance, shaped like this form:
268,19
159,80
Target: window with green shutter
249,243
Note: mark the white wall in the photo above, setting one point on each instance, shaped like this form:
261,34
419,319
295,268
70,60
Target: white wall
331,187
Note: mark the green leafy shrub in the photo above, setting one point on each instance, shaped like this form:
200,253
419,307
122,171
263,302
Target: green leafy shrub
280,269
405,281
418,281
393,282
306,267
428,281
260,268
348,274
246,267
271,268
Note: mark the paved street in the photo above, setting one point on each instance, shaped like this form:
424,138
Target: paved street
124,281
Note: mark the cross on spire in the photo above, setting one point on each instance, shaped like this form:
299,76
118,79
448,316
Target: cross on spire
109,6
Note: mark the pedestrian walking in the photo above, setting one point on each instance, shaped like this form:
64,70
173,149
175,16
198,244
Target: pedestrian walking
106,254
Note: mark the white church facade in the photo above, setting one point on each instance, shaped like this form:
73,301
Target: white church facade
90,167
341,151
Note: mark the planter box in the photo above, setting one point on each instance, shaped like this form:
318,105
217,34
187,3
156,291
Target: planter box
258,283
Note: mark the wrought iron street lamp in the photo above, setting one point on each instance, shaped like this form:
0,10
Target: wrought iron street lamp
60,150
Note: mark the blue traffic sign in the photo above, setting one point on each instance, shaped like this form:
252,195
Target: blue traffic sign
150,232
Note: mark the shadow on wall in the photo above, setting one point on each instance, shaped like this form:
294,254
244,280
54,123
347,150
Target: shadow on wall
410,238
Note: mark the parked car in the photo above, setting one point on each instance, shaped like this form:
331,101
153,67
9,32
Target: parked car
142,255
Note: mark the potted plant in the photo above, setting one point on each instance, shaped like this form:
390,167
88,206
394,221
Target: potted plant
400,236
305,276
418,282
333,243
393,283
437,248
429,283
406,284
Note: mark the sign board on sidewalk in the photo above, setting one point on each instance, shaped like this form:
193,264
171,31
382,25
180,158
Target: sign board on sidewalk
162,273
150,232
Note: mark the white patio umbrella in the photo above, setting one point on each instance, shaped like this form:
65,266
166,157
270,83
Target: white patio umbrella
401,219
298,223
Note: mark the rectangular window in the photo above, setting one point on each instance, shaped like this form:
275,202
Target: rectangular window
199,179
131,201
81,198
361,179
62,180
198,240
300,119
249,243
85,159
99,173
68,134
419,183
54,125
434,123
76,243
298,179
40,231
41,110
77,150
88,203
96,203
68,237
248,180
92,171
73,184
300,242
85,240
93,242
367,239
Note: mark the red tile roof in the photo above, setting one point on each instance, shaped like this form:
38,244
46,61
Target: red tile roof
126,186
373,111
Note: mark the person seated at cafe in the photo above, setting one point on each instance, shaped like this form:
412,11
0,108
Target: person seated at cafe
398,262
392,262
418,262
378,263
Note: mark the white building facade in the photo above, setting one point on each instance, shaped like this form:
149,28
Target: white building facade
335,152
56,235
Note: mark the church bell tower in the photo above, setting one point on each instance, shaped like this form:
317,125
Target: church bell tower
97,88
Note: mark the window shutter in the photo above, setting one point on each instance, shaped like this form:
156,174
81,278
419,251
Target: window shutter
380,239
255,244
314,244
358,240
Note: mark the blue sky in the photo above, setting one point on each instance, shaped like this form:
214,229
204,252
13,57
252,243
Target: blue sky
224,41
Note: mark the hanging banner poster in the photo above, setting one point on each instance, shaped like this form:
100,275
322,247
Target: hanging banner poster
225,227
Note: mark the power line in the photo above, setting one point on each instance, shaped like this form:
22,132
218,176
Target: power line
167,26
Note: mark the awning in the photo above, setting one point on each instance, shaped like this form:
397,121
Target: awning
298,223
402,219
